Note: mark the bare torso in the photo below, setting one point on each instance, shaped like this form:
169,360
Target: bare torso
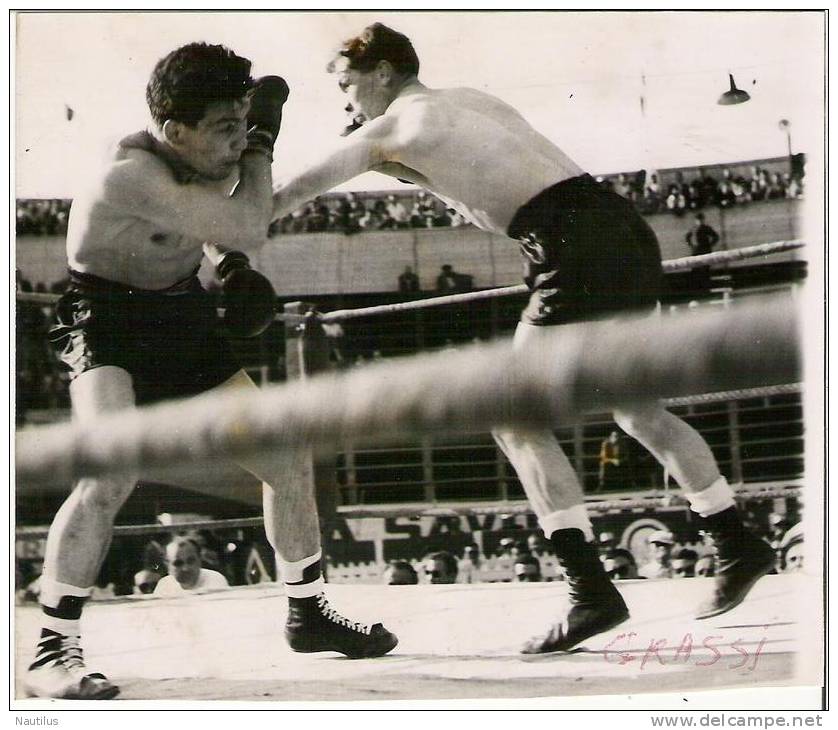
475,152
112,234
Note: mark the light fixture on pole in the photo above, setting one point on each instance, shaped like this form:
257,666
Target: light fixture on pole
733,95
785,126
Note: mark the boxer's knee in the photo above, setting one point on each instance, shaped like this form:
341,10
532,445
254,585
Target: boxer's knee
526,442
102,497
644,422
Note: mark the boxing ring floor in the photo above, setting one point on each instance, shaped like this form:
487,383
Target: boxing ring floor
456,641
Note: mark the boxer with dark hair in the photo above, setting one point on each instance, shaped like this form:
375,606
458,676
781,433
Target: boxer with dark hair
136,326
587,254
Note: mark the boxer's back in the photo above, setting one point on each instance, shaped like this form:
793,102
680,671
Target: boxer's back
476,152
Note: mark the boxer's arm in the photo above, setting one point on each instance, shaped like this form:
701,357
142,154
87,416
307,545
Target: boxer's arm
143,187
371,145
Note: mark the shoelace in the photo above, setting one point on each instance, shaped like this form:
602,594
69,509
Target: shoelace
72,656
335,617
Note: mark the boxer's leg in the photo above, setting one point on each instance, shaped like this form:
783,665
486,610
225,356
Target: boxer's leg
78,540
742,557
553,489
293,529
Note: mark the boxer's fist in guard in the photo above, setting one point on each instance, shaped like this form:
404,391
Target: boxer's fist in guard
248,297
265,116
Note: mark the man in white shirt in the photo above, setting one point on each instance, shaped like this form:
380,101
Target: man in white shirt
183,556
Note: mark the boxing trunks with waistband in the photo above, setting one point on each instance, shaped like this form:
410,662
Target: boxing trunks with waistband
168,340
587,254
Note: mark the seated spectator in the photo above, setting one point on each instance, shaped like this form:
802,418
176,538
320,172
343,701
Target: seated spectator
537,546
740,190
441,568
443,219
408,281
705,566
183,559
397,215
621,565
505,547
607,545
791,549
660,542
371,220
652,195
527,569
145,581
349,213
423,213
776,189
469,567
683,563
318,217
724,197
676,203
400,573
695,200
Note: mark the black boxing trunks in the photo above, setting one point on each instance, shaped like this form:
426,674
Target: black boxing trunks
166,340
587,254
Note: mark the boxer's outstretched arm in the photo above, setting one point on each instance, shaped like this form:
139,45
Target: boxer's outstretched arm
143,186
358,153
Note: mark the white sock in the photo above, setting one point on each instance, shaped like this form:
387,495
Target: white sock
563,519
302,578
716,498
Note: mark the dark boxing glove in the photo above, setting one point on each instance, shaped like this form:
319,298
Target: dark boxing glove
354,120
265,116
249,299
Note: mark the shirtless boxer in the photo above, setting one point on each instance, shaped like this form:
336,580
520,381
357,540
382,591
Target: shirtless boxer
587,253
135,326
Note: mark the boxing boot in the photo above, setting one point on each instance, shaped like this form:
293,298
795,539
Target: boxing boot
741,560
59,672
313,625
595,605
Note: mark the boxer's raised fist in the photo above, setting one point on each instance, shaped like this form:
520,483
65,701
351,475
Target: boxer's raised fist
265,116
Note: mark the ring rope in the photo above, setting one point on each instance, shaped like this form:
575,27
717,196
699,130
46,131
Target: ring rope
614,502
686,263
670,266
584,367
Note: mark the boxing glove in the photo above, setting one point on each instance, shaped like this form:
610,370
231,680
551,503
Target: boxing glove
265,116
248,297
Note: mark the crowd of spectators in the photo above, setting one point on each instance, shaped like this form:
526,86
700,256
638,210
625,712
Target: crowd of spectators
42,217
531,560
203,560
350,213
682,196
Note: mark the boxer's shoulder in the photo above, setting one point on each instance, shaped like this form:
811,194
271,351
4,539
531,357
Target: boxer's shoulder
136,174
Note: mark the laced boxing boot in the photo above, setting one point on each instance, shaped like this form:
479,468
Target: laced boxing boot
59,672
313,625
595,604
741,560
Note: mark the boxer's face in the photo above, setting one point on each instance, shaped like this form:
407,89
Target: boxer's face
214,145
368,91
